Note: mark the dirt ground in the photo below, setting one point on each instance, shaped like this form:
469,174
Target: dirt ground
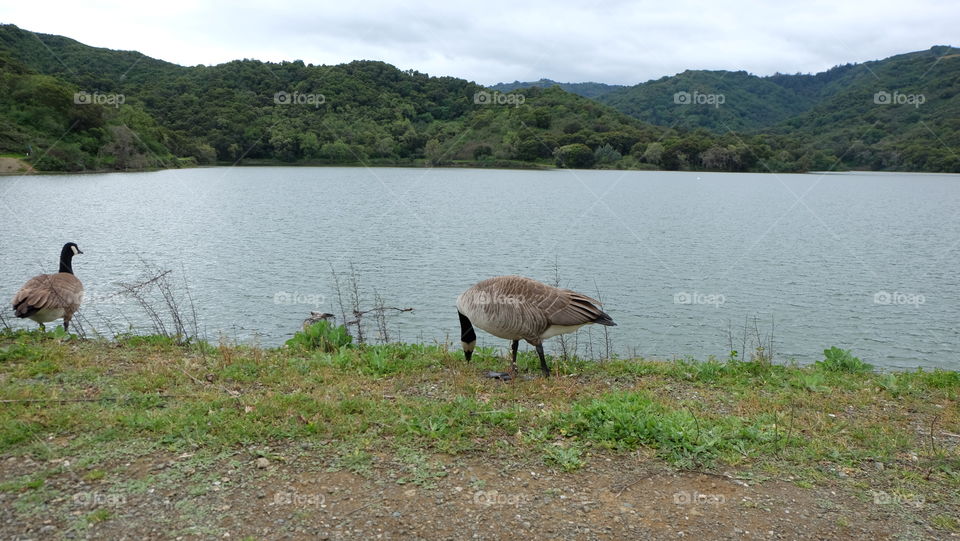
10,166
299,494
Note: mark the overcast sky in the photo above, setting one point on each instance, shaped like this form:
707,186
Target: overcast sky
615,41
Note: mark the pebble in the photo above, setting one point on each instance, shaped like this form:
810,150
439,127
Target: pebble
262,463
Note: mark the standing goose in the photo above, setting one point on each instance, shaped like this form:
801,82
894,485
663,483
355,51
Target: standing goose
48,297
515,308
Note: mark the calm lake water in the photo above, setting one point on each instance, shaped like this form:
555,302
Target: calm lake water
863,261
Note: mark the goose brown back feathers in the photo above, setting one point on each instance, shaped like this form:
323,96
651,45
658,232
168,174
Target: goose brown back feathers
518,308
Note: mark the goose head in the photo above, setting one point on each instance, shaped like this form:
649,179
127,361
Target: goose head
69,250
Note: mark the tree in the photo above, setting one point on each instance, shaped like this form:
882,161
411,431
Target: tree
653,153
575,156
433,152
606,155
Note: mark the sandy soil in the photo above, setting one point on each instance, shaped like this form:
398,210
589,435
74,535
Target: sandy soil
298,494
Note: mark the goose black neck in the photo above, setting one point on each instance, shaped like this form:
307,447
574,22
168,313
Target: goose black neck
467,334
66,260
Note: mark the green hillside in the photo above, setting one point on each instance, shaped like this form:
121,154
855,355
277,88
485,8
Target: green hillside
719,101
73,107
901,113
898,113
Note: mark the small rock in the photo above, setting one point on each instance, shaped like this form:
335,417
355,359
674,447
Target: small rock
262,463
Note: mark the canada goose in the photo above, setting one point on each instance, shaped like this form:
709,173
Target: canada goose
317,317
49,297
515,308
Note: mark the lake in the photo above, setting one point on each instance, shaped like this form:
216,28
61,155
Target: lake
863,261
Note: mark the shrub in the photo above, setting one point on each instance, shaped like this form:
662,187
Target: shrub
841,360
321,336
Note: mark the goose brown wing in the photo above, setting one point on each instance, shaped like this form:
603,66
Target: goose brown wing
61,290
566,307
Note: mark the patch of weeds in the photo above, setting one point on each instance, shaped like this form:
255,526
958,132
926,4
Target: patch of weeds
100,515
243,371
623,420
422,472
321,336
895,384
940,379
827,505
22,484
155,340
539,434
36,502
567,458
94,475
21,352
946,522
809,381
356,461
841,360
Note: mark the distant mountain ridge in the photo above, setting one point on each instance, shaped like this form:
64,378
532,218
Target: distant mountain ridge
587,90
752,103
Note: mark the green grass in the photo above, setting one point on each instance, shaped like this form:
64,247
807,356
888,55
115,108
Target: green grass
361,407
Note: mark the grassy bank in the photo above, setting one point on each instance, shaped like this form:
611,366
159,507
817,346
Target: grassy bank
98,403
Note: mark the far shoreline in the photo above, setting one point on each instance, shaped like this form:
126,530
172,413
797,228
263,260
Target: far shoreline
26,169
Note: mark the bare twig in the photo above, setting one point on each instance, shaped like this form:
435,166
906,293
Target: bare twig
157,282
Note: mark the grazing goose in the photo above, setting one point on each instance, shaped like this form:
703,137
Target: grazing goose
515,308
49,297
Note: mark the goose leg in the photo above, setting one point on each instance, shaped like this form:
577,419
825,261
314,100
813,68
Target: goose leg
513,359
543,361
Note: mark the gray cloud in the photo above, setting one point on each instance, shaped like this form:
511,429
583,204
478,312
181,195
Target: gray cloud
488,42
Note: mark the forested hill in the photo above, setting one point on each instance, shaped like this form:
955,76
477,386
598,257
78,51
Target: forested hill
900,112
587,90
75,107
754,103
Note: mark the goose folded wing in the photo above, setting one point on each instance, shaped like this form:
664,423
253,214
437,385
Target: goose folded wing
47,291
